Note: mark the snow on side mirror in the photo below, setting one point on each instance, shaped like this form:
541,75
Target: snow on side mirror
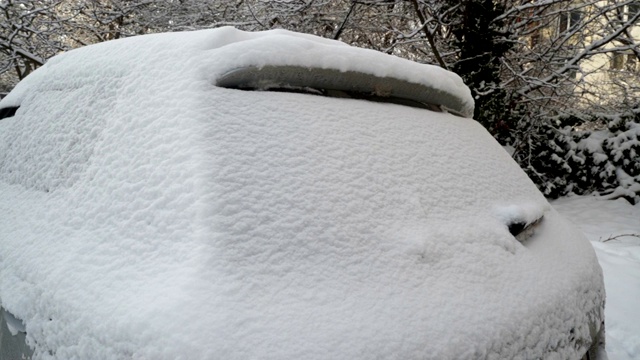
522,230
522,219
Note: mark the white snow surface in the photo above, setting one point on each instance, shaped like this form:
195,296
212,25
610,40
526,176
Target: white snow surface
148,214
236,49
613,226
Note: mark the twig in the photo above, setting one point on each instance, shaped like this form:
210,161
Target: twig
336,36
618,236
429,35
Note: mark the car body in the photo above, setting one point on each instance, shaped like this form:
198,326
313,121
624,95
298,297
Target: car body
194,196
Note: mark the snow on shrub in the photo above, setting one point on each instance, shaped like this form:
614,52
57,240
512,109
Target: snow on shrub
562,158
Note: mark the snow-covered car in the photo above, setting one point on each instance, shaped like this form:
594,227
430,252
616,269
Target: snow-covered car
230,195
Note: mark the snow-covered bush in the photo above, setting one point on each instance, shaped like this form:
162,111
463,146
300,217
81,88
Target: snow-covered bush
561,156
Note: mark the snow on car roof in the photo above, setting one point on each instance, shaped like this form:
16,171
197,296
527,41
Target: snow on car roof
237,50
147,213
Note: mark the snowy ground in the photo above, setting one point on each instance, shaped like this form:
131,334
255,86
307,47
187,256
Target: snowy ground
605,222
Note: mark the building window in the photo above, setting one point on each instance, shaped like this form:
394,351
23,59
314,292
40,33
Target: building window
570,20
632,10
627,13
617,61
534,39
622,61
632,62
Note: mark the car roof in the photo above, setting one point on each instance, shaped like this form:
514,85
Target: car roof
149,212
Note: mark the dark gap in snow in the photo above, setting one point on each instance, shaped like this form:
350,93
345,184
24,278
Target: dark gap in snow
516,228
8,112
523,230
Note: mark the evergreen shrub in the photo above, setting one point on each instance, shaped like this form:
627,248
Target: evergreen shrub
563,156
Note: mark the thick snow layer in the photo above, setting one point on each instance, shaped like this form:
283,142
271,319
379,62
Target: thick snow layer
148,214
614,230
236,49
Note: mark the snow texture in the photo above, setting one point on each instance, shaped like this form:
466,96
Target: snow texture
614,229
148,214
